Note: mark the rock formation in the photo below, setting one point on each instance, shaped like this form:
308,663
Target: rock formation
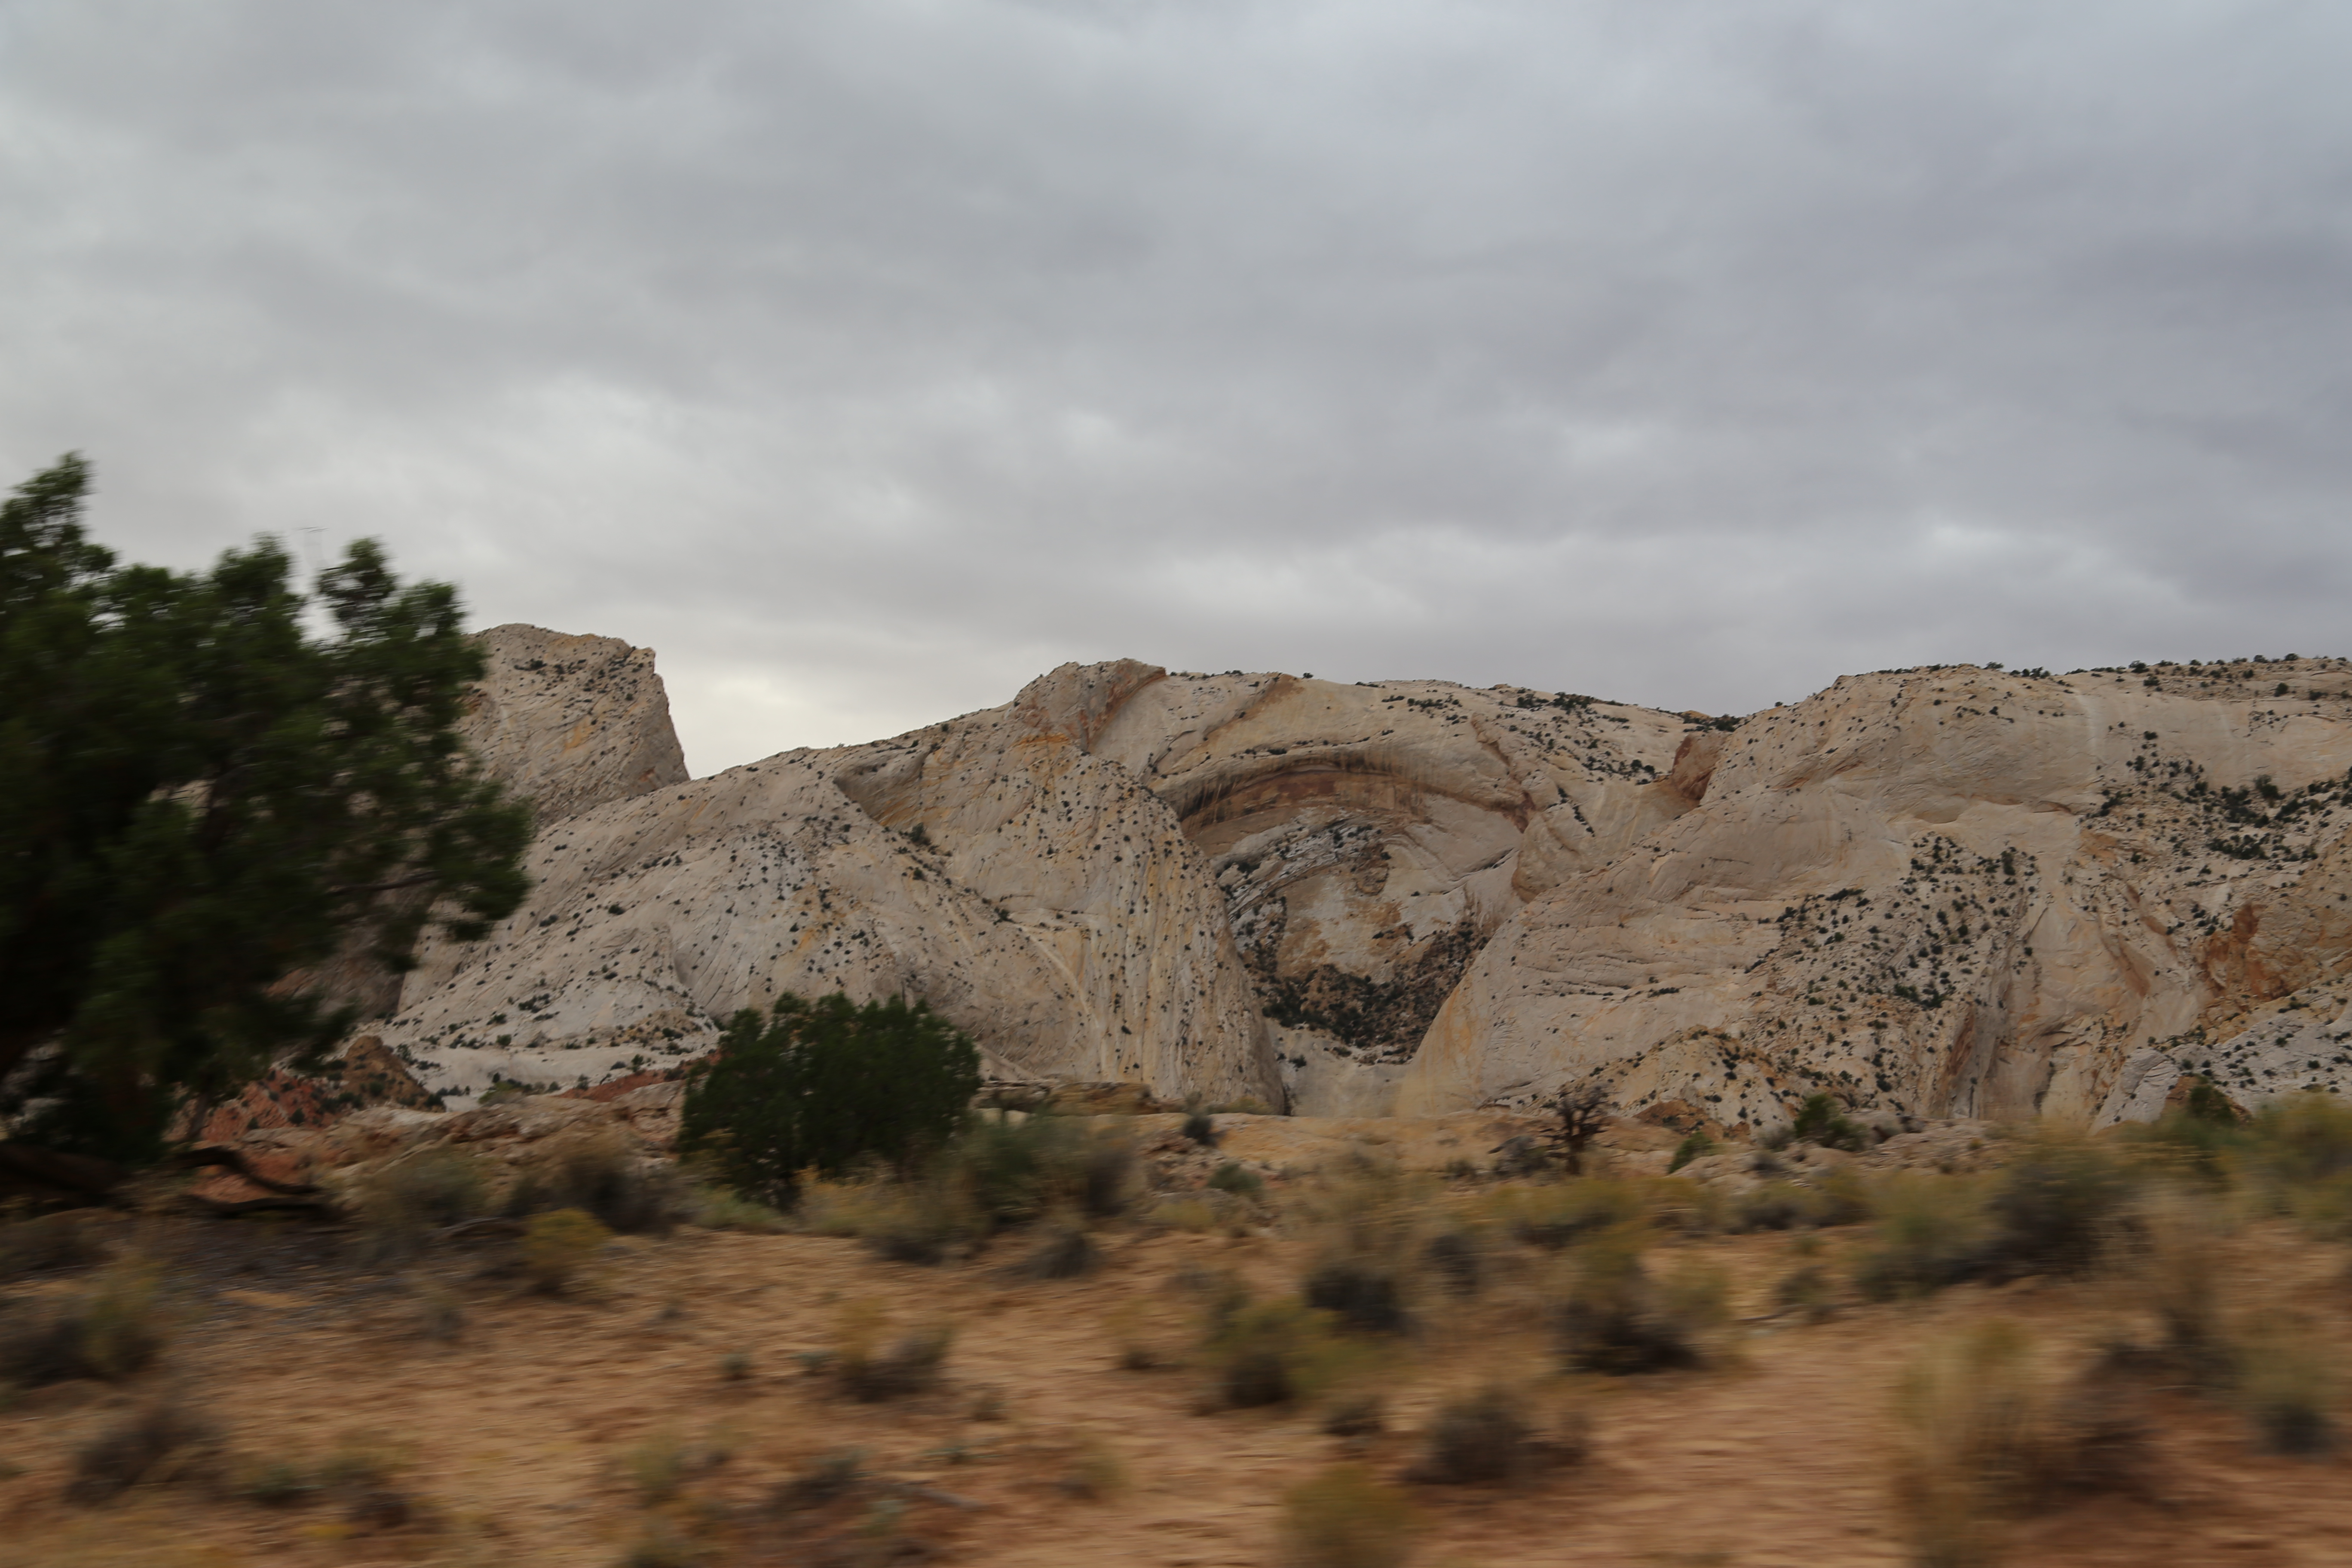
571,721
1946,891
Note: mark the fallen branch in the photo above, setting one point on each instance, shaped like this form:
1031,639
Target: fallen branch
228,1159
229,1208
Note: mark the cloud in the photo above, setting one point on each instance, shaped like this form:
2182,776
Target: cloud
867,359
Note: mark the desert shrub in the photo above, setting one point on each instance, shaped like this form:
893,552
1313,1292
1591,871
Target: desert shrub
2286,1384
1345,1518
659,1544
1108,1174
1841,1197
1379,1251
656,1466
1480,1437
1821,1120
1456,1261
439,1314
1356,1415
600,1175
274,1483
559,1246
1268,1353
2297,1153
1932,1231
1359,1294
1837,1198
873,1366
1559,1215
828,1476
1145,1334
2299,1139
1679,1205
378,1507
1695,1146
400,1203
818,1084
1201,1128
1772,1205
1237,1179
359,1469
2183,1141
2206,1103
722,1208
1977,1441
1990,1434
1062,1251
1011,1171
160,1440
923,1222
110,1328
361,1461
2175,1268
1619,1319
2056,1204
1096,1472
1195,1214
1806,1291
70,1239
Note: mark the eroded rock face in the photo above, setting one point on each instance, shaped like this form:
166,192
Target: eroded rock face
571,722
1939,892
1036,895
1369,839
1953,892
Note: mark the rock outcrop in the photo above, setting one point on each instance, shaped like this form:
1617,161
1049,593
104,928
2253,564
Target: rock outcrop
1039,896
1958,893
1955,891
571,722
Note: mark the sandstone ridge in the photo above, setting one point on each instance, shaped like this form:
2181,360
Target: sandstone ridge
1950,891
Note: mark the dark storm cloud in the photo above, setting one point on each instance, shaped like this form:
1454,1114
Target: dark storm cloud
867,359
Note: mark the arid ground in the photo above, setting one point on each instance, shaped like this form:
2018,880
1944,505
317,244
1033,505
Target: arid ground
679,1402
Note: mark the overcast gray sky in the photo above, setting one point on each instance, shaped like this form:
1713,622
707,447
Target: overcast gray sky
866,359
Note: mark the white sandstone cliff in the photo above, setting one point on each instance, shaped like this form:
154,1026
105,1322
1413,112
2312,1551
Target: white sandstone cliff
1940,891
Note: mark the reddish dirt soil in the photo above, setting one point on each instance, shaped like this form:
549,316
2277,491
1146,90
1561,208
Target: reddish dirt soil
513,1441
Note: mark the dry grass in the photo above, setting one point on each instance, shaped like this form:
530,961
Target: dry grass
399,1205
2173,1261
558,1248
1619,1317
2287,1378
555,1418
873,1364
1996,1432
161,1439
1977,1426
112,1328
1477,1438
1271,1353
597,1173
71,1238
1346,1518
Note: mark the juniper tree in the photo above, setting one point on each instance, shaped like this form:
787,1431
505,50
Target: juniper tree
816,1085
200,803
